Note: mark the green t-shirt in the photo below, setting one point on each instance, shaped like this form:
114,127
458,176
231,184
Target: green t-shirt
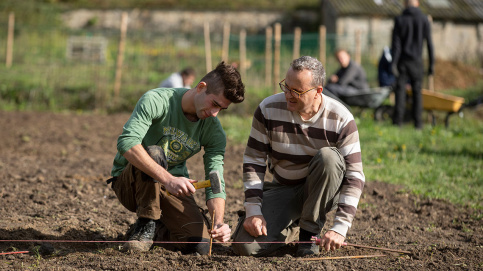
158,119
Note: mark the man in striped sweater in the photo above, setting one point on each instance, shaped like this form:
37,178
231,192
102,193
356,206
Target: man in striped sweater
310,144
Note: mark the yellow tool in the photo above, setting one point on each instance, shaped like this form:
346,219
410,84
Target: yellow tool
214,182
202,184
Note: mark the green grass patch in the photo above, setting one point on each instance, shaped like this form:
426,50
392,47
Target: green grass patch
436,162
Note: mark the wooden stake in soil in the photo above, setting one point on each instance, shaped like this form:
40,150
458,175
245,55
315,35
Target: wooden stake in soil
344,257
379,248
318,241
212,225
14,252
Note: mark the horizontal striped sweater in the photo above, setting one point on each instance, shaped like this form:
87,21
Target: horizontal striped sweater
285,143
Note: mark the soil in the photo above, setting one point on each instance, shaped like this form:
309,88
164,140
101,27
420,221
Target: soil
53,169
455,75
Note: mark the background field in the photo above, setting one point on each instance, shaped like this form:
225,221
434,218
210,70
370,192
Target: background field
424,188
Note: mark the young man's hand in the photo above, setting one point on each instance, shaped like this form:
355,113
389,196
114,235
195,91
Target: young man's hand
221,232
180,186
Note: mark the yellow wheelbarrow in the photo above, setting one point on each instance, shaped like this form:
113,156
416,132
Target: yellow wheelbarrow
434,101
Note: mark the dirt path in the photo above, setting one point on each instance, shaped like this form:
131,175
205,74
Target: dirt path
52,172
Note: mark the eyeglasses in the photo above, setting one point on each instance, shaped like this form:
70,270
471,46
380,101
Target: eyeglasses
296,94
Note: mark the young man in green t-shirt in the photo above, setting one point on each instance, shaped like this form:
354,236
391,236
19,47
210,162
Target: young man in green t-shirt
167,127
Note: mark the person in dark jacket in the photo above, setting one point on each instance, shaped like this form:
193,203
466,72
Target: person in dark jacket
411,28
349,79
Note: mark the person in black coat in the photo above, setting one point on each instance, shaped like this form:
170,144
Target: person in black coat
411,29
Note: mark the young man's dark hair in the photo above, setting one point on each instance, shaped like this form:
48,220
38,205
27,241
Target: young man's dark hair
226,77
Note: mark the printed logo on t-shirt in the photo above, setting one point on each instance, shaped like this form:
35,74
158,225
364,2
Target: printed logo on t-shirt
177,145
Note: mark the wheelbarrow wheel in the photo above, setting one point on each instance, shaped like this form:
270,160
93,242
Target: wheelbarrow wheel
383,113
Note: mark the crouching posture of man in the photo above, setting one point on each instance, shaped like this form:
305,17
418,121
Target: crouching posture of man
310,143
167,127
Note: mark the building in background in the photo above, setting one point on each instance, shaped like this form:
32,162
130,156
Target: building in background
457,25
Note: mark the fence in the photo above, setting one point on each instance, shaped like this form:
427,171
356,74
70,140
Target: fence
42,72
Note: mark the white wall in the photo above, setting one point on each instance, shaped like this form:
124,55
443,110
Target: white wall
452,41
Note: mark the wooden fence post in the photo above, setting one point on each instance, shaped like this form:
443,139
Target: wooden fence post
296,42
431,77
276,57
322,45
11,28
243,53
120,57
207,47
226,42
268,55
357,56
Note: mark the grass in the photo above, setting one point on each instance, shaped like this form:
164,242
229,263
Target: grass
437,162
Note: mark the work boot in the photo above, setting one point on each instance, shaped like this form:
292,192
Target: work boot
141,238
305,249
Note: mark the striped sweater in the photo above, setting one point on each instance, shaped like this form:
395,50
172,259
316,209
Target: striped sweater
283,141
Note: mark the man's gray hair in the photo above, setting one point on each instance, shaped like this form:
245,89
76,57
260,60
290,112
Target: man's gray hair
312,64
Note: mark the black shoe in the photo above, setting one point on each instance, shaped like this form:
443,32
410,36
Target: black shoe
141,238
306,249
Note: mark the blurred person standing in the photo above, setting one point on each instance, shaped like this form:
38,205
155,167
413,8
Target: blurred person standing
182,79
411,28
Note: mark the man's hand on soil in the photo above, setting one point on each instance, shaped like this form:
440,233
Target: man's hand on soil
255,225
331,241
221,232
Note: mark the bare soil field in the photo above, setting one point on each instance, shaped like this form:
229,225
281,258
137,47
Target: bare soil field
53,193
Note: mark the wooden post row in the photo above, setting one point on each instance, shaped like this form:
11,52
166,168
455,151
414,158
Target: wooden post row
276,57
226,42
11,27
296,42
207,47
430,77
268,56
357,56
120,57
322,45
243,53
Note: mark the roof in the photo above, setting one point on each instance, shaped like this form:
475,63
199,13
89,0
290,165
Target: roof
444,10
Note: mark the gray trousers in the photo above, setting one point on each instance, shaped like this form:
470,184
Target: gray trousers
286,208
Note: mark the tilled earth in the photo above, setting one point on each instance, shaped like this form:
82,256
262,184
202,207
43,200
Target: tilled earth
53,193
